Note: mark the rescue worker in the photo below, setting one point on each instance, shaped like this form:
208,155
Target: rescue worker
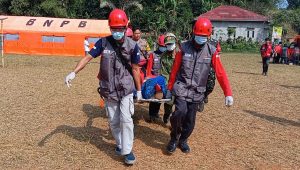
290,53
160,64
278,52
188,81
266,51
153,69
293,53
297,51
119,76
284,56
144,49
142,43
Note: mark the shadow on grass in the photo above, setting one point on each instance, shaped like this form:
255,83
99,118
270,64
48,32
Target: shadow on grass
91,62
151,137
93,112
274,119
99,137
92,135
290,87
241,72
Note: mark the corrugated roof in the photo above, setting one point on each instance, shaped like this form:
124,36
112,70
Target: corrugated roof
47,24
232,13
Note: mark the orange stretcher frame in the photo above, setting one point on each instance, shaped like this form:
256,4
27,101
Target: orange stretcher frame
31,30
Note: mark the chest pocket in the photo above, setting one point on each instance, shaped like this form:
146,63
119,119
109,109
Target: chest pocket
156,63
187,65
107,63
201,71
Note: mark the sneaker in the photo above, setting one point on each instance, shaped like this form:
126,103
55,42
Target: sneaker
171,147
118,150
130,159
184,147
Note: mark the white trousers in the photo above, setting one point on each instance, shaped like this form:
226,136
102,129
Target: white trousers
120,122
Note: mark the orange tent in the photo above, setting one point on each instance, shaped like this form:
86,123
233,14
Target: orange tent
50,36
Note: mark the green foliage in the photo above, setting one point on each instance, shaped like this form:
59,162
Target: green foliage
240,44
287,18
19,7
155,17
53,8
230,31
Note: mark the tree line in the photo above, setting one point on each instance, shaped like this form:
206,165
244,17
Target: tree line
152,16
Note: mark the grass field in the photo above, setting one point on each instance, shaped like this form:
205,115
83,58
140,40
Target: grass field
45,125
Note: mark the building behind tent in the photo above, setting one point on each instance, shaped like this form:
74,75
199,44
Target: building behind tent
51,36
243,23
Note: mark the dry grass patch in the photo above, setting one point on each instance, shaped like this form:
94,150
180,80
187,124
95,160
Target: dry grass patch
45,125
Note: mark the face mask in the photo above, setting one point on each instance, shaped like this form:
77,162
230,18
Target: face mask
171,47
200,39
162,49
118,35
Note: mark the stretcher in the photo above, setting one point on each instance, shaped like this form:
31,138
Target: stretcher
156,100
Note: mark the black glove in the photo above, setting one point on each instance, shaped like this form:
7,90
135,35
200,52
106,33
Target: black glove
168,95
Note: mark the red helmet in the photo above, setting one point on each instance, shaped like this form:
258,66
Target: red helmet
129,32
161,40
202,27
117,18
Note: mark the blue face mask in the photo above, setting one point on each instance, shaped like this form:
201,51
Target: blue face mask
118,35
200,39
162,49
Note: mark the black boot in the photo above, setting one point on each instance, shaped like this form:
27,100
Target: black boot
166,118
206,99
184,147
171,146
201,107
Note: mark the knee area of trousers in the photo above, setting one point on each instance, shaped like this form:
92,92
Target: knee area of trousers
181,111
114,124
126,120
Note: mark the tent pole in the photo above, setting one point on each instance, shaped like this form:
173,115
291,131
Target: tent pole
2,42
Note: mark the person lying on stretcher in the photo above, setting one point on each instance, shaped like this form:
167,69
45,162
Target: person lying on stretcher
157,74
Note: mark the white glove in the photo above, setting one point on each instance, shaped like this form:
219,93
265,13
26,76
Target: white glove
228,101
70,77
139,95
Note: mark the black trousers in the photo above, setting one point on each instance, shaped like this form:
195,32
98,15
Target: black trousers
154,109
276,58
266,61
183,120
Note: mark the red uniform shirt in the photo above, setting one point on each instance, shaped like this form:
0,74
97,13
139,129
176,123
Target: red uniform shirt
278,49
266,50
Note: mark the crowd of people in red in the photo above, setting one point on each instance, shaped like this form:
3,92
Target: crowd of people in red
280,54
286,54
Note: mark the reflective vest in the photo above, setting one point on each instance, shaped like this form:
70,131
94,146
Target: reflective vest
115,80
191,80
156,68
